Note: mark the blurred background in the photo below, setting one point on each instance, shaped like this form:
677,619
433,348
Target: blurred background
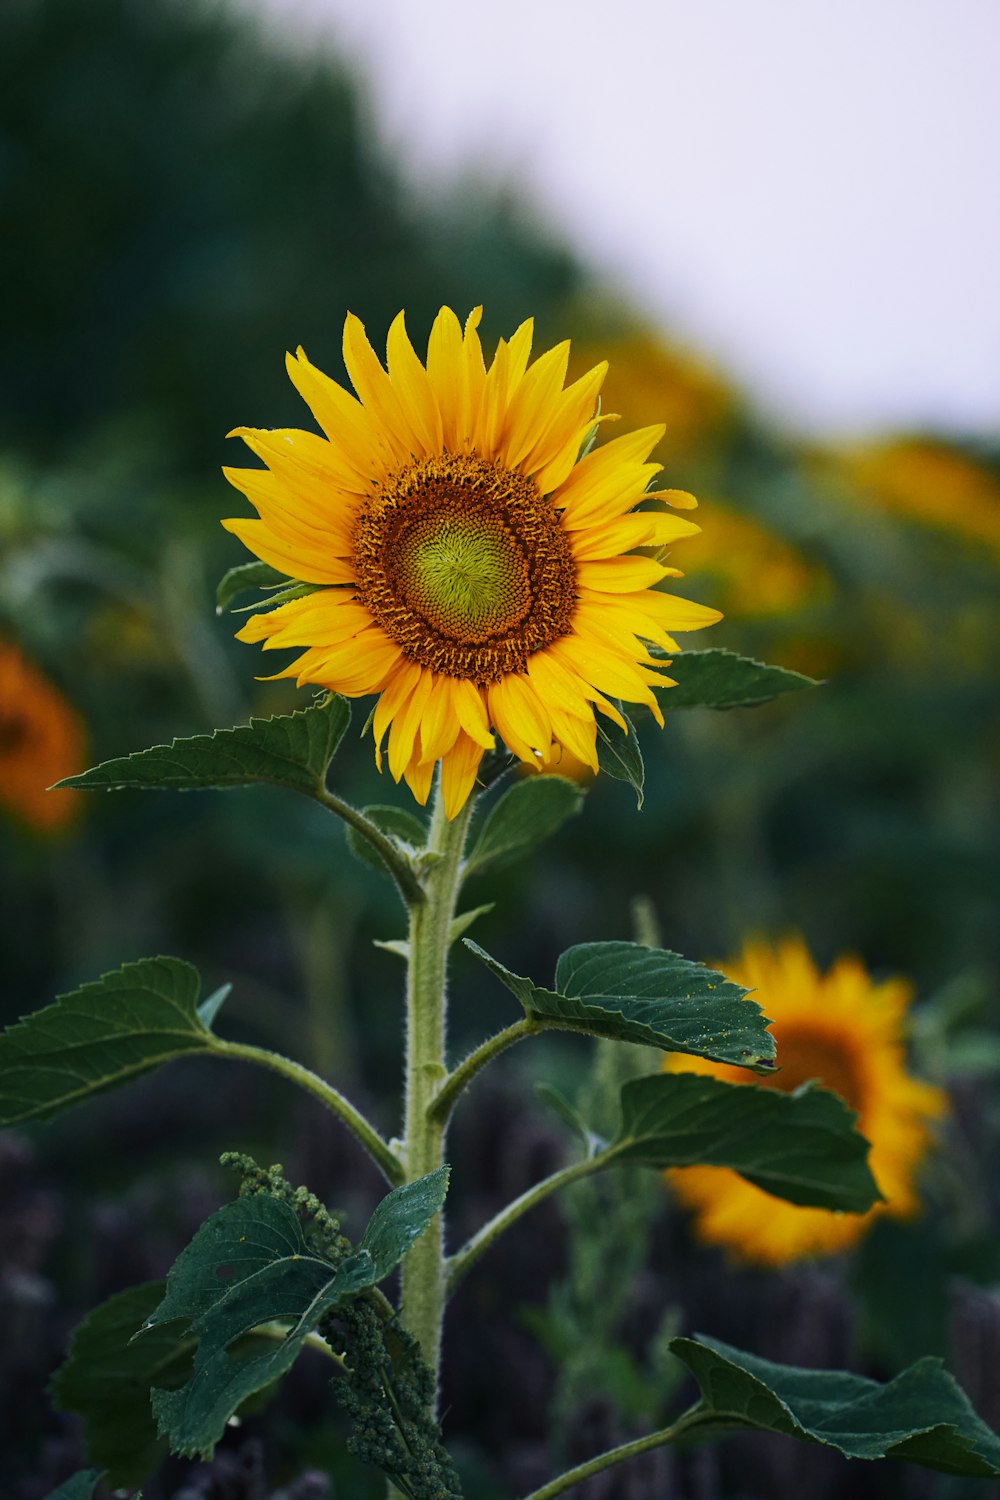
782,230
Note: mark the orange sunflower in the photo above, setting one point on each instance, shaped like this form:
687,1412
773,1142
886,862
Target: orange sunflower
41,741
847,1032
470,561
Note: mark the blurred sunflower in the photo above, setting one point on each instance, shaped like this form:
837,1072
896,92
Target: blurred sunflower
931,482
41,741
471,564
756,571
847,1032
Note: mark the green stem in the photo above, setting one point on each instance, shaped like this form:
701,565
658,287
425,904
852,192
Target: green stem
410,888
377,1148
423,1291
447,1096
618,1455
463,1260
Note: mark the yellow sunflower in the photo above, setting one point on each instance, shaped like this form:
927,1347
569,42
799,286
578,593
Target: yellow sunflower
41,741
471,564
847,1032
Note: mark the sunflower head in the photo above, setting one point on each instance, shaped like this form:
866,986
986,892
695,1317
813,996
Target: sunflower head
41,741
473,558
848,1033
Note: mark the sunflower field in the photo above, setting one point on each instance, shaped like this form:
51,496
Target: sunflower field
521,671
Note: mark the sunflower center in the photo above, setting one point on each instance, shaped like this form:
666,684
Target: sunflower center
465,566
806,1052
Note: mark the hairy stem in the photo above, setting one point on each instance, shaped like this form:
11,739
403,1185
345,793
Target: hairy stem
378,1149
460,1077
423,1290
463,1260
617,1455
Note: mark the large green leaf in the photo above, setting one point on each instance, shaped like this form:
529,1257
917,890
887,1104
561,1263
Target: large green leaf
292,750
251,1264
101,1035
619,755
800,1146
922,1415
721,679
107,1379
527,813
646,995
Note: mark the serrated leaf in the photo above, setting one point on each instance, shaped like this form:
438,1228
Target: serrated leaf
800,1146
398,823
646,995
251,1264
101,1035
107,1378
244,576
80,1486
527,813
922,1415
292,750
722,679
619,755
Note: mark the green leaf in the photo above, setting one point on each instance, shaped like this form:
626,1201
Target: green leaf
400,1218
101,1035
618,754
527,813
107,1379
400,825
245,576
800,1146
80,1486
647,995
570,1116
465,919
292,750
250,1264
721,679
922,1415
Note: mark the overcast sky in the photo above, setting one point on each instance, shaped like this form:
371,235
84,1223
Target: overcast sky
806,189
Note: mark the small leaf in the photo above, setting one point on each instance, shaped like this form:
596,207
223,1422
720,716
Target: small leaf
647,995
721,679
570,1115
250,1264
400,1218
922,1415
800,1146
101,1035
527,813
80,1486
292,750
465,919
249,575
209,1008
398,824
107,1378
618,755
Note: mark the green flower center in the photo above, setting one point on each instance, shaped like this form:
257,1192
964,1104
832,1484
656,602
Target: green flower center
465,565
465,574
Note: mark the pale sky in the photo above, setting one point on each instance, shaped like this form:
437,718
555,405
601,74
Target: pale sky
807,190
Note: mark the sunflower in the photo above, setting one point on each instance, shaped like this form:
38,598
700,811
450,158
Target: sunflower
847,1032
466,559
41,741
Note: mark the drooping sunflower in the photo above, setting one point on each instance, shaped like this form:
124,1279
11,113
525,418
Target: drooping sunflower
847,1032
471,564
41,741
